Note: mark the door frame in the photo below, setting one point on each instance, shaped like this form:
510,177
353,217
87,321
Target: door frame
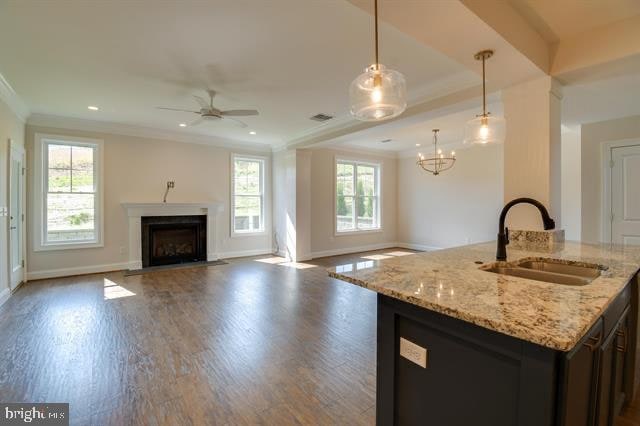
607,157
16,149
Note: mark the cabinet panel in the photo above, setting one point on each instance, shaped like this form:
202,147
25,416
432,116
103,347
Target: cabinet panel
580,381
457,371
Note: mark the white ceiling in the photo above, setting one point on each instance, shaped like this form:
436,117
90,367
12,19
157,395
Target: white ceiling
405,137
290,59
557,21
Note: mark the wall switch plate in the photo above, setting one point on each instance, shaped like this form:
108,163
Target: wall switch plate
414,353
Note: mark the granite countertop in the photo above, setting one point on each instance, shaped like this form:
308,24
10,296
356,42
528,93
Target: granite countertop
450,282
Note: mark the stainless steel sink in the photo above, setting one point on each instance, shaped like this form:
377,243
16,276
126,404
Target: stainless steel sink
548,270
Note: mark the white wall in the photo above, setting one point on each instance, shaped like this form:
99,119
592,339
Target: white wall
571,185
593,135
136,170
11,127
457,207
324,242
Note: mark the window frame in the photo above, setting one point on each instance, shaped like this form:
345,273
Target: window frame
41,191
378,185
263,196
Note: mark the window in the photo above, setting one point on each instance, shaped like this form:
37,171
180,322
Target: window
69,182
357,196
248,195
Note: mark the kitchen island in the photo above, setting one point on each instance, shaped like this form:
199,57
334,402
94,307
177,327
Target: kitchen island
488,349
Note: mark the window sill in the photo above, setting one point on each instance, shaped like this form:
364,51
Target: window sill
69,246
249,234
358,232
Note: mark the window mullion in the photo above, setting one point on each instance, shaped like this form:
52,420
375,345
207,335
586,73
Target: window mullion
355,198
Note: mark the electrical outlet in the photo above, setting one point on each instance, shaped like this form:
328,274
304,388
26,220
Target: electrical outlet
123,250
414,353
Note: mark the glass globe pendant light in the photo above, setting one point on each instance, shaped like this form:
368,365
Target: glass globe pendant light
379,93
485,128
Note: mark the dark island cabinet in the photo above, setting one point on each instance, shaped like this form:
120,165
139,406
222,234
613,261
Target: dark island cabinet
579,374
437,370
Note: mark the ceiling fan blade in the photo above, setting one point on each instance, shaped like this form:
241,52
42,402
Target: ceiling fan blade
238,122
240,112
178,109
196,122
202,101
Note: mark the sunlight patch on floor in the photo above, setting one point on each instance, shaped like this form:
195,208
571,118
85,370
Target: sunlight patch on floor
273,260
377,257
114,291
400,253
297,265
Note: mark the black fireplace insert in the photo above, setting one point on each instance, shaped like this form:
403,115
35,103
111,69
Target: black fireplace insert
169,240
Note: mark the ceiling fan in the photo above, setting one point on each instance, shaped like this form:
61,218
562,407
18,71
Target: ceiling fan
208,112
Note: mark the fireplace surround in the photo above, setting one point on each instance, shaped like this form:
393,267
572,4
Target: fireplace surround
136,211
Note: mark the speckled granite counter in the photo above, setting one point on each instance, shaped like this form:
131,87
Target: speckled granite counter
449,282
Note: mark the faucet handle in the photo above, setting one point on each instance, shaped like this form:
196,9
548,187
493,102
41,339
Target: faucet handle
506,236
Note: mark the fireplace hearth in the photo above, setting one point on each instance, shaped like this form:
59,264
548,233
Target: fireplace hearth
170,240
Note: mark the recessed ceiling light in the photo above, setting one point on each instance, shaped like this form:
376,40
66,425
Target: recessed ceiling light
417,144
182,125
93,108
252,132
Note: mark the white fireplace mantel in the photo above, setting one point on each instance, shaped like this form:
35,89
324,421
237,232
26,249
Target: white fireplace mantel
135,212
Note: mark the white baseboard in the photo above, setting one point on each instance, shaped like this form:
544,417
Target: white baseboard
349,250
81,270
4,296
245,253
414,246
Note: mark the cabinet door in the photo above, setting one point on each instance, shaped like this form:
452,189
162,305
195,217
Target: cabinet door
607,352
580,381
611,387
619,358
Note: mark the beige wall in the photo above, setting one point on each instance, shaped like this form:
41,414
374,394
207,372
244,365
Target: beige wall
571,185
323,238
593,135
11,127
458,207
136,170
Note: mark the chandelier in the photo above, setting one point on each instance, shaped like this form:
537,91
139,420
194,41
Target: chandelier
438,163
379,93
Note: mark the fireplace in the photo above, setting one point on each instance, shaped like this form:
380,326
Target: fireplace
169,240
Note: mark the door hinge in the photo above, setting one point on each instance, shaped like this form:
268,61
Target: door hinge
22,217
612,216
23,169
611,163
22,263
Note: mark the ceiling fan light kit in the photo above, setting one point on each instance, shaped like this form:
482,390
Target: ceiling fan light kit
379,93
208,112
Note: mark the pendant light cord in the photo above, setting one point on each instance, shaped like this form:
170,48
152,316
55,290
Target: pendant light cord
484,90
375,11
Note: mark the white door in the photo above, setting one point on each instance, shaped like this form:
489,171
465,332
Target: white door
625,195
16,215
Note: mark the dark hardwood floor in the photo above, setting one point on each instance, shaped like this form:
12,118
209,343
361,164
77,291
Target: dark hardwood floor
251,342
244,343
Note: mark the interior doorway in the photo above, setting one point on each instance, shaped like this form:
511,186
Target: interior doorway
16,215
623,195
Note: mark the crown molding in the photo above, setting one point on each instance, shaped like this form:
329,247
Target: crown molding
13,101
58,122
